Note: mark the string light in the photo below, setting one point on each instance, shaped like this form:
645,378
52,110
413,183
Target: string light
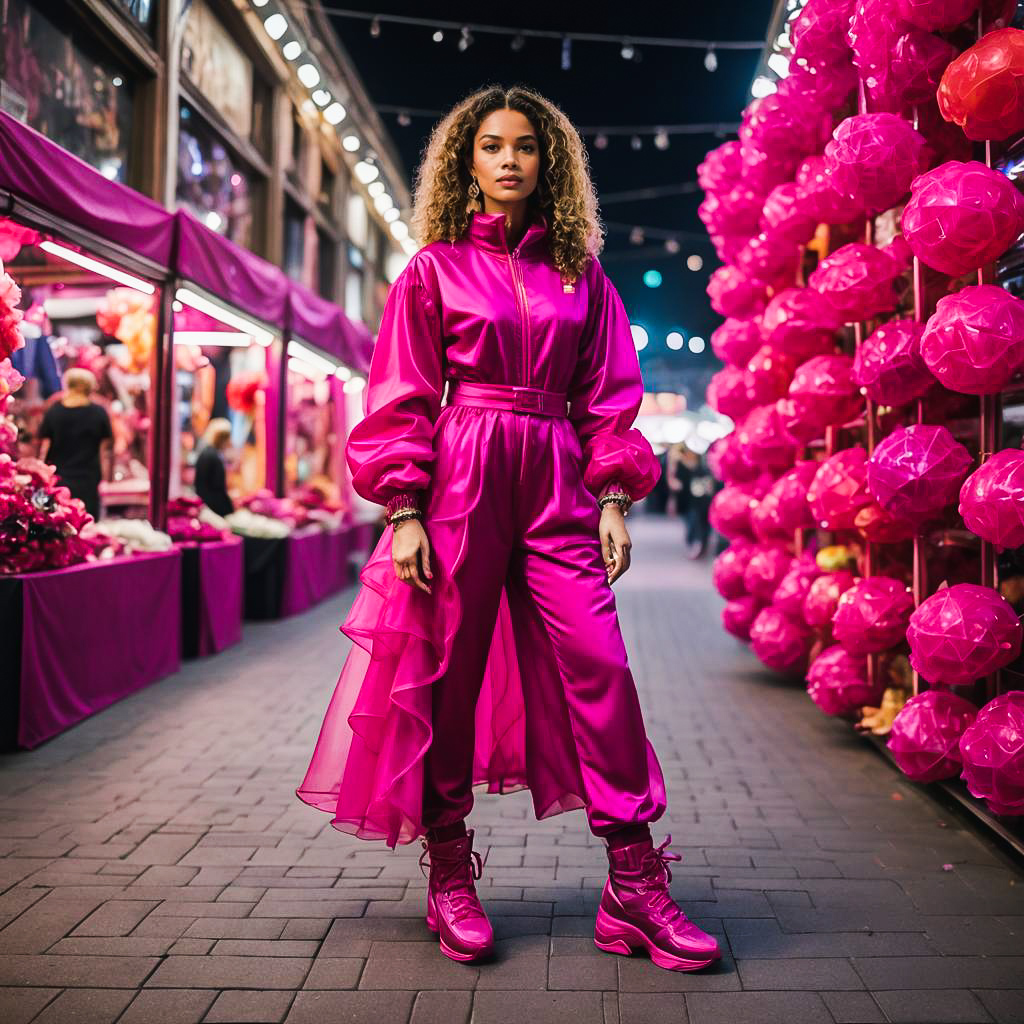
661,139
465,39
375,28
601,141
694,263
636,236
636,142
404,119
672,246
627,52
566,53
518,42
438,36
711,59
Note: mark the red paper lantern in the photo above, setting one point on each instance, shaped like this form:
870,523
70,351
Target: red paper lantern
837,682
962,633
738,615
823,597
925,737
825,392
736,341
728,569
839,489
873,615
780,642
992,751
889,366
992,499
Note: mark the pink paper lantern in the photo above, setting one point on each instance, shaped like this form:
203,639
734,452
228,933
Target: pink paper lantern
800,323
917,471
780,642
769,373
728,569
727,462
831,84
736,341
837,682
925,737
731,509
721,168
839,489
764,520
764,169
825,392
915,68
735,212
728,394
793,425
962,633
738,615
872,615
791,593
732,293
819,33
779,124
858,281
992,499
767,565
770,259
936,15
874,157
974,341
819,195
762,441
983,89
790,493
889,366
877,525
785,213
992,751
962,216
823,597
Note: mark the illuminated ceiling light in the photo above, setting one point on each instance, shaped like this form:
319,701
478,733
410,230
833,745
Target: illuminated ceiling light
350,143
224,315
308,75
276,26
366,172
383,202
438,36
375,188
334,114
343,373
711,59
291,49
296,350
321,97
88,263
696,345
354,385
392,214
177,306
409,246
762,87
674,340
652,278
399,230
694,263
628,51
209,339
779,63
640,337
117,81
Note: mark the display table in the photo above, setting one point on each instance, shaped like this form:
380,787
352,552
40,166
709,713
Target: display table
212,596
79,639
316,567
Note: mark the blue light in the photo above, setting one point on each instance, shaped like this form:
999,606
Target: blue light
652,278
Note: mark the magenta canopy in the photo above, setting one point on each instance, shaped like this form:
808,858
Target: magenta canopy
41,172
319,322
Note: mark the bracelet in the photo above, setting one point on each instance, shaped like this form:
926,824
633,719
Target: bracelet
400,502
620,498
403,514
397,522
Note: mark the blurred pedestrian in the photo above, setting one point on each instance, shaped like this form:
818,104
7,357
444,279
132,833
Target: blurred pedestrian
211,477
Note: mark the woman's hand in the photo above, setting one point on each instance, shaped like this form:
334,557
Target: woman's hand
409,550
615,542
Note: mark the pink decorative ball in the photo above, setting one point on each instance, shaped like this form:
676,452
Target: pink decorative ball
728,393
769,373
974,341
831,83
800,323
858,281
992,751
962,633
721,168
823,597
839,489
764,520
778,124
732,293
889,366
925,737
872,32
780,642
731,509
915,69
917,471
727,461
735,212
819,195
936,15
825,392
728,569
873,158
785,213
872,615
764,169
770,259
762,441
819,33
767,565
877,525
793,424
962,216
738,615
736,341
791,593
790,491
837,682
992,499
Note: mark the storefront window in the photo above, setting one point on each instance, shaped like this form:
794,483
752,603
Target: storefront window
312,452
294,239
55,82
140,10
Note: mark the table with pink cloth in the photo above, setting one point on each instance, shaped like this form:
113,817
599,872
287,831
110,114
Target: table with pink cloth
75,640
212,592
316,566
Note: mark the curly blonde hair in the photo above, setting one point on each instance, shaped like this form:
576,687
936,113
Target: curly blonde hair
564,194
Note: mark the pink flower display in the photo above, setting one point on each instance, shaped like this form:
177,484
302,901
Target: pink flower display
10,316
888,364
839,489
780,642
925,737
992,751
962,633
823,596
825,392
992,499
837,682
873,615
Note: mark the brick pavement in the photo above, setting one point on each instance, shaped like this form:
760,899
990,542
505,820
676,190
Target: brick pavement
156,867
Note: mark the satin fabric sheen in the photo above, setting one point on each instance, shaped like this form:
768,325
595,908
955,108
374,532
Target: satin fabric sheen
521,623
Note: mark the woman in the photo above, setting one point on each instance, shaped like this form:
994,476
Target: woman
210,479
75,433
487,648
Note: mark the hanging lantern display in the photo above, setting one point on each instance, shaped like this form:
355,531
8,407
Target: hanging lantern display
859,281
879,526
785,213
770,259
767,565
825,392
872,615
731,509
738,615
962,633
769,374
721,168
728,569
736,341
799,323
780,642
839,489
734,212
837,682
917,471
992,499
819,195
728,393
790,495
925,737
818,33
915,68
791,593
888,364
763,442
823,597
992,751
732,293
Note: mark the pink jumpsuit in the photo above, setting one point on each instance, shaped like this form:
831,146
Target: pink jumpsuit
512,673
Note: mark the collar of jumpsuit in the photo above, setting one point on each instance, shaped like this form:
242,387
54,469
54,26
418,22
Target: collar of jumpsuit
487,232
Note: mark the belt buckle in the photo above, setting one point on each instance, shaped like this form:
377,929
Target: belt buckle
523,399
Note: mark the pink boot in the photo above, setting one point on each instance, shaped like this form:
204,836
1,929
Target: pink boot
453,908
637,911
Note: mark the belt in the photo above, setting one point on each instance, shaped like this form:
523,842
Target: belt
509,397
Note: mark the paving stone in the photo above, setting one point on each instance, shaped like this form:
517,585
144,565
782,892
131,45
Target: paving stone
267,972
351,1007
946,972
794,975
518,972
638,974
75,971
652,1008
853,1007
757,1008
537,1007
246,928
117,917
169,1006
1006,1007
265,947
334,973
416,973
20,1005
249,1007
86,1006
932,1007
580,973
441,1008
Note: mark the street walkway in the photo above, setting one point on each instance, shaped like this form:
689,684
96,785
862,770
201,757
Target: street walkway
156,868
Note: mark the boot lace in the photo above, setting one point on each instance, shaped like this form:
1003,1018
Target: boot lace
456,885
656,877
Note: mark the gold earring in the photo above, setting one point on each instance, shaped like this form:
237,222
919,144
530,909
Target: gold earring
474,190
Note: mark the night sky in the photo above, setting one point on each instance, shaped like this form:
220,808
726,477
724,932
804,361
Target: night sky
403,67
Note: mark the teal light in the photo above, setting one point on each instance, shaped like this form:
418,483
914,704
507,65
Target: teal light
652,278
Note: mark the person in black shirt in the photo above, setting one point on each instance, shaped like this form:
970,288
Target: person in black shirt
210,479
75,432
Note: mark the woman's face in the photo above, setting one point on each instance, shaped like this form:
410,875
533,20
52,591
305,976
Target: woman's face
506,158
